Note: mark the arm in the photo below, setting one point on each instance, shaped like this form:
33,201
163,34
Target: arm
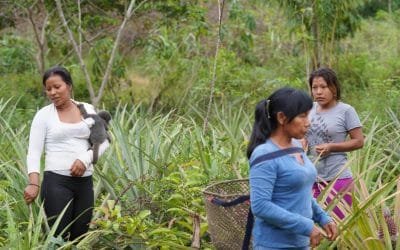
262,181
80,165
35,150
31,191
84,160
319,215
87,157
356,141
324,220
352,125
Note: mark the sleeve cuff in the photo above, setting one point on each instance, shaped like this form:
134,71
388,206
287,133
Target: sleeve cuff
325,220
86,158
307,228
33,170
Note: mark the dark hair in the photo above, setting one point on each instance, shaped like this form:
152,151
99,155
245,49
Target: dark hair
330,78
291,102
60,71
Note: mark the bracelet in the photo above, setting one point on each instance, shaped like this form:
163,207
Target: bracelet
32,184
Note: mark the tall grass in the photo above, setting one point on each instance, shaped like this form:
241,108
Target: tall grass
148,186
375,170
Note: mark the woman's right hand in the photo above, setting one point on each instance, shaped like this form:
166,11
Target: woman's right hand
315,237
77,168
323,149
30,193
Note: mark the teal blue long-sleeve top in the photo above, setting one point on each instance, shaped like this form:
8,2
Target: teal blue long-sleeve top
281,200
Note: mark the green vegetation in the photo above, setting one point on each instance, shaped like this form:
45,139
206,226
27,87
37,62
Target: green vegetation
148,187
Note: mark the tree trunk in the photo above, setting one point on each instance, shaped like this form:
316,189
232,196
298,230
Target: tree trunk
196,232
95,99
40,36
316,39
214,71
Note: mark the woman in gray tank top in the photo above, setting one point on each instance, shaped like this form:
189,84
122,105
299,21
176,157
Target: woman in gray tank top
332,122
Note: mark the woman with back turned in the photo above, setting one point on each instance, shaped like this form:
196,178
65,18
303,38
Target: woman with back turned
280,189
60,129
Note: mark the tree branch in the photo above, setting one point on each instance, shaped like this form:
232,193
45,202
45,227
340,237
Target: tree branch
78,53
214,72
80,26
196,232
107,73
40,38
96,99
86,40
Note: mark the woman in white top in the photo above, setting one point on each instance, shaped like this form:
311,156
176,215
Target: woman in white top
67,180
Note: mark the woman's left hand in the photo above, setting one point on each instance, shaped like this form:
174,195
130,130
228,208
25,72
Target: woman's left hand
331,230
304,144
77,168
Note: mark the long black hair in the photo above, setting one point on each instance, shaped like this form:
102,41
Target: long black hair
291,102
60,71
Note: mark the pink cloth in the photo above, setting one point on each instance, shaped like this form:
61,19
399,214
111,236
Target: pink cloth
341,185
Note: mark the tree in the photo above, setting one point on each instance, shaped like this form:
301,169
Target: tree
323,22
221,5
35,13
39,31
95,98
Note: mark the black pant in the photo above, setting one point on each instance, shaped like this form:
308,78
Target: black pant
57,191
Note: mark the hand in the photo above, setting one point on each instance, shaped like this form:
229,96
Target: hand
77,168
323,149
30,193
304,144
331,231
315,237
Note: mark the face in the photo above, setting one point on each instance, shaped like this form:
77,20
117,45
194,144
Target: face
57,90
298,127
322,93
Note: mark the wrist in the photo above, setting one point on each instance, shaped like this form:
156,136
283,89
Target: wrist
331,147
33,184
83,160
84,164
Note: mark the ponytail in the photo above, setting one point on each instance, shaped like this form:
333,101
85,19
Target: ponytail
262,127
289,101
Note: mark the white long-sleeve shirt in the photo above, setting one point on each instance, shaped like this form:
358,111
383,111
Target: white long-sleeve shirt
63,142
